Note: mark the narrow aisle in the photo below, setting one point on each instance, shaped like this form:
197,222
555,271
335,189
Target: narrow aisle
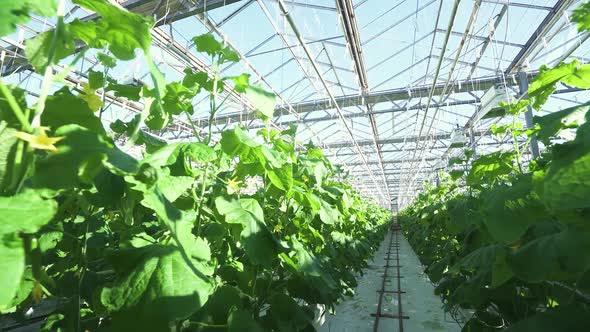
421,307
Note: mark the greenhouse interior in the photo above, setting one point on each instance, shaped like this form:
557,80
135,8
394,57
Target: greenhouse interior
294,165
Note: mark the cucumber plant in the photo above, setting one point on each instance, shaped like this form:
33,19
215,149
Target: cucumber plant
250,232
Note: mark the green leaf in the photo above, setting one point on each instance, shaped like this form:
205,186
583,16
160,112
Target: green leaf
545,83
259,243
479,261
18,12
79,157
489,168
170,154
178,99
154,286
196,81
106,60
552,257
581,15
206,43
157,119
241,83
263,101
515,107
38,49
131,92
228,55
509,210
241,320
7,150
63,108
571,317
566,183
328,214
220,304
287,315
23,213
96,79
552,124
122,30
456,174
462,213
501,271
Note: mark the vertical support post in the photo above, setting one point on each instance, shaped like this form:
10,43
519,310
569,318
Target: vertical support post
523,85
472,144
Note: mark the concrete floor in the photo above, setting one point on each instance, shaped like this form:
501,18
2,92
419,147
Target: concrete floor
419,302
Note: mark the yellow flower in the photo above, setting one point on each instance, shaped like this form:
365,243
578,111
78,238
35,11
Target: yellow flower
233,186
40,141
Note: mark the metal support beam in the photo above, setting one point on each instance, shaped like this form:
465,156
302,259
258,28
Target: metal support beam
170,11
291,22
397,140
523,84
548,22
476,84
173,11
353,41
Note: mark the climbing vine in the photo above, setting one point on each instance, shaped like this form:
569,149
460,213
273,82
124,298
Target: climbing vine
242,234
507,244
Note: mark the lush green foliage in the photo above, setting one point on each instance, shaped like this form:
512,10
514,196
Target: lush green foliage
508,244
248,233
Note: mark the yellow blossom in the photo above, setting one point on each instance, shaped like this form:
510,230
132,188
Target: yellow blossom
233,186
40,140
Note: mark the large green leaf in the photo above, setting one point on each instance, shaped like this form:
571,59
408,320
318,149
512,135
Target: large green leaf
328,213
154,286
489,168
581,15
18,12
287,315
241,320
545,83
39,48
7,150
170,153
237,142
509,210
553,123
24,213
478,261
552,257
259,243
122,30
64,108
178,99
462,214
263,101
79,157
566,183
574,318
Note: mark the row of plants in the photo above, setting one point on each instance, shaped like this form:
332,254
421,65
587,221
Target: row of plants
509,245
248,233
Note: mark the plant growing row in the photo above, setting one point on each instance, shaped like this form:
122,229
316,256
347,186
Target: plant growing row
508,244
249,233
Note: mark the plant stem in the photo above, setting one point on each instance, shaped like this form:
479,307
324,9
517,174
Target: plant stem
18,112
218,326
48,75
212,100
190,121
201,199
